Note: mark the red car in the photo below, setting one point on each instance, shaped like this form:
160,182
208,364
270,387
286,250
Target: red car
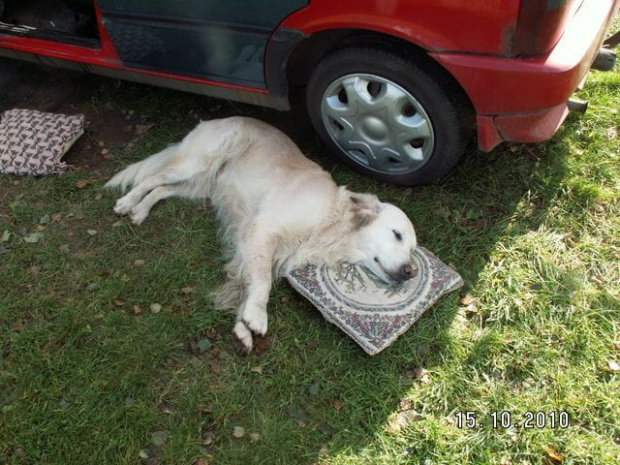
393,87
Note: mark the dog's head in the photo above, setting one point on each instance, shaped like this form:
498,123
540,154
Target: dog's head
383,239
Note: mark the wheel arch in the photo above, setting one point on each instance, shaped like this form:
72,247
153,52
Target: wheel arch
308,51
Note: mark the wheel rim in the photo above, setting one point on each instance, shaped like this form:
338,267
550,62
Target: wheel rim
377,123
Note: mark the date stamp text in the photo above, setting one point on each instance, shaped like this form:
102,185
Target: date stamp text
470,419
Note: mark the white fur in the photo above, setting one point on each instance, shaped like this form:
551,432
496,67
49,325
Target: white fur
279,210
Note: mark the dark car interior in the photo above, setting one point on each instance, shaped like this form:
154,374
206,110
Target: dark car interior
69,21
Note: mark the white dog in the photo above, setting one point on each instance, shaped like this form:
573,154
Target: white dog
280,211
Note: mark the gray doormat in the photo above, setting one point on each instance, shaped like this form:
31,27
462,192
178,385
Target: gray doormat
372,313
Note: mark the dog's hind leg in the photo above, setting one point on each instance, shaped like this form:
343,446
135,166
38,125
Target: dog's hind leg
139,212
167,176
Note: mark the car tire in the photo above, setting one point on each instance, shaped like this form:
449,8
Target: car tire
394,118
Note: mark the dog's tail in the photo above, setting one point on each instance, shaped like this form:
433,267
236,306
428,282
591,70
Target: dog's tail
135,173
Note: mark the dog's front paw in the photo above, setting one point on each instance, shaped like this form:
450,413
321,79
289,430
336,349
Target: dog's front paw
123,206
255,318
244,337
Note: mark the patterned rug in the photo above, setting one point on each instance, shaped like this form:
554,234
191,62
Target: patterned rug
374,314
32,142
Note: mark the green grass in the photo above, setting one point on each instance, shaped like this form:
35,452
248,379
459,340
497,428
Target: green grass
88,378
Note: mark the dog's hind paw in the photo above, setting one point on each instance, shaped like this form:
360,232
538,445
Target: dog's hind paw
244,337
123,206
137,216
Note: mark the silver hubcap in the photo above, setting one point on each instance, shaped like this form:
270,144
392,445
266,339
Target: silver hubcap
377,123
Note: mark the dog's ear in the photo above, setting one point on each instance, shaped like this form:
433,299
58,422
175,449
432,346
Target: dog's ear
365,208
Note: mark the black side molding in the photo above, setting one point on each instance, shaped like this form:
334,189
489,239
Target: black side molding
279,48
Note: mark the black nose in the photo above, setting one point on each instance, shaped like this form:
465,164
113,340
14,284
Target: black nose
407,272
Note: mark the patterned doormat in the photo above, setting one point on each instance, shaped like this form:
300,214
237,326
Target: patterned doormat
374,314
32,142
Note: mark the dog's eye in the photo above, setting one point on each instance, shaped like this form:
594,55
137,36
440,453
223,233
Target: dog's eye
399,236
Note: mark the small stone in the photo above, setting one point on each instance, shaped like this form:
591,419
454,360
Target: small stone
422,375
208,438
33,238
203,345
613,366
166,408
325,428
159,438
314,389
155,308
143,128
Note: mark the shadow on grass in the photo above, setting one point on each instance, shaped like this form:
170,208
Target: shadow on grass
313,392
